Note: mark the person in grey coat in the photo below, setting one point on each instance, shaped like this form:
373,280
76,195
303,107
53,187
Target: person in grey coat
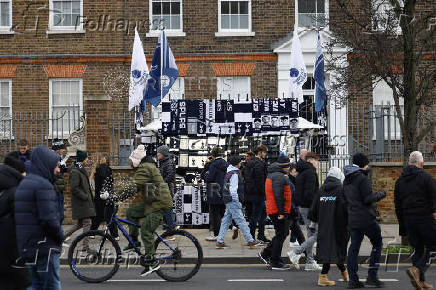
82,201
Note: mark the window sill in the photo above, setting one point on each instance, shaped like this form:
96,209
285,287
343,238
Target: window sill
156,33
66,31
6,31
234,33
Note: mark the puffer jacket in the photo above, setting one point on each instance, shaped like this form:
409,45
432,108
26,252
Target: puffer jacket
277,191
215,180
255,173
168,171
307,184
37,207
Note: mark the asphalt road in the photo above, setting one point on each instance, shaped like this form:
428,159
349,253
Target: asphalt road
237,277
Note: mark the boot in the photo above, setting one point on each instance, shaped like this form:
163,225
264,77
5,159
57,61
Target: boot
426,286
345,276
323,280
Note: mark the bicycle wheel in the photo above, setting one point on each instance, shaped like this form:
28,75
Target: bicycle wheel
99,261
180,255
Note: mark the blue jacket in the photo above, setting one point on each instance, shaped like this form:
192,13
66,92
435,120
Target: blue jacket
215,180
36,208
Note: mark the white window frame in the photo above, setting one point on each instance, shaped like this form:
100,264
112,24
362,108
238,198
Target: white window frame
8,134
385,5
234,93
52,29
235,32
168,32
7,29
180,95
326,11
50,108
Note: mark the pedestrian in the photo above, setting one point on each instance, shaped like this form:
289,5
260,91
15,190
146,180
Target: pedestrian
255,177
306,188
156,201
296,232
362,220
39,231
233,195
168,171
24,153
214,178
59,184
13,273
247,204
329,210
82,199
278,207
415,203
103,180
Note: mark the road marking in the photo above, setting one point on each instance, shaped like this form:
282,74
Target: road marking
383,280
255,280
137,280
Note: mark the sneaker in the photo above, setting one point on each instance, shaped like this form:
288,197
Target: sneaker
254,243
92,237
374,283
312,267
235,233
211,238
294,258
153,267
117,238
355,285
221,246
264,259
293,244
130,246
19,263
263,239
280,266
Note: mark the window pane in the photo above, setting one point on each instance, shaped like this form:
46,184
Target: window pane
66,7
306,6
225,7
57,7
75,91
4,16
67,20
76,7
56,87
166,22
75,20
166,8
306,19
156,8
234,22
156,23
175,8
243,7
320,6
243,21
4,94
234,7
225,22
175,22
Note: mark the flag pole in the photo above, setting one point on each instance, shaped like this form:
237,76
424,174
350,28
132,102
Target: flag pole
161,62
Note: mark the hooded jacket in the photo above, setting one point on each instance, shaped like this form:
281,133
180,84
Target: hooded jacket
329,210
414,195
168,171
215,180
82,200
255,173
37,208
234,185
307,184
359,196
277,191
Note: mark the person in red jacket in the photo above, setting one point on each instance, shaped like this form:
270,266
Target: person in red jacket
278,207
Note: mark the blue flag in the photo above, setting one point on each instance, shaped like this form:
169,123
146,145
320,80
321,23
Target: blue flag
163,69
318,75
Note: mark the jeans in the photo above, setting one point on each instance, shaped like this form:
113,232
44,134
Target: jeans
258,216
61,206
422,236
234,212
45,274
274,248
216,212
307,246
373,232
169,219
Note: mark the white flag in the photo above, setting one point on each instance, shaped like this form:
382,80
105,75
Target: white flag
138,72
297,72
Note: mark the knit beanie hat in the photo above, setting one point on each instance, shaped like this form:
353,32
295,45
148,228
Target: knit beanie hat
336,173
234,159
164,150
283,161
81,155
57,144
137,155
360,160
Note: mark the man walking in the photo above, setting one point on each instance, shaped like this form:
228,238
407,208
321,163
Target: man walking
59,184
362,220
415,200
306,188
255,175
39,232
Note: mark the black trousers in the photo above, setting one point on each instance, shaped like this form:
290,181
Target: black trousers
296,230
216,213
103,214
326,268
274,248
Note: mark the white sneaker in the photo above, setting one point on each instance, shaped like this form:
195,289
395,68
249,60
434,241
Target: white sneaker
92,237
211,238
117,238
294,258
293,244
312,267
65,245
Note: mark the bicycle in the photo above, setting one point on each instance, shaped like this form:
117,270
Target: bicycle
104,250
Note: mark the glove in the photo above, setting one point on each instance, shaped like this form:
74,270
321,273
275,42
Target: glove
104,195
380,195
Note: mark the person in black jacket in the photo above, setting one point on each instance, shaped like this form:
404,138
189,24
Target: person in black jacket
59,184
168,171
23,154
296,233
255,173
329,210
362,220
415,203
306,188
12,276
214,178
39,232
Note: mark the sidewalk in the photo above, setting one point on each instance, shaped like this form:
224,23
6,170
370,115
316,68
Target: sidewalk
238,253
